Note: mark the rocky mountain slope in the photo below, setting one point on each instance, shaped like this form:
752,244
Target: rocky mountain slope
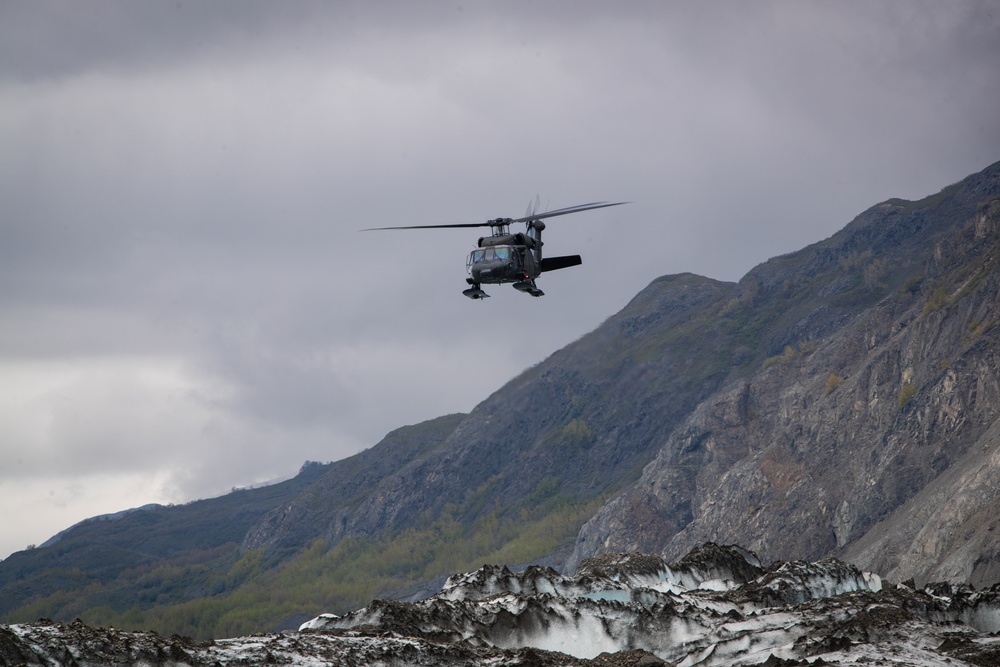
840,400
874,435
716,606
578,425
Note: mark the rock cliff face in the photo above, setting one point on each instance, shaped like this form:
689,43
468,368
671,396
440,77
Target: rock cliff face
874,435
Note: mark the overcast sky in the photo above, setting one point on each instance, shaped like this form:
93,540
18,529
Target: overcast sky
187,305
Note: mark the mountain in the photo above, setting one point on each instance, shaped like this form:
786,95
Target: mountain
840,400
716,606
874,435
579,425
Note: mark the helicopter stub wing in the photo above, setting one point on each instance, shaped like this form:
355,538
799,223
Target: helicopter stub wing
566,261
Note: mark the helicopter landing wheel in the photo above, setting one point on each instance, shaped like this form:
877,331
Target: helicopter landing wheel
529,287
475,292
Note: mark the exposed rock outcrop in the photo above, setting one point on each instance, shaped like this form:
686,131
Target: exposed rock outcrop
874,437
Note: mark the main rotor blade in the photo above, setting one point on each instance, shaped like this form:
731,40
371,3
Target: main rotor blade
532,208
507,221
460,224
567,210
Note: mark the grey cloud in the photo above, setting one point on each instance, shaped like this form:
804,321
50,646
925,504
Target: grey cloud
182,185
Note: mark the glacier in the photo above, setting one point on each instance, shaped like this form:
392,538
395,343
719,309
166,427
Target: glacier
717,606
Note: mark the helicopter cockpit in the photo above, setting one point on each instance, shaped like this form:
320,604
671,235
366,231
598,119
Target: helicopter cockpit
500,254
496,264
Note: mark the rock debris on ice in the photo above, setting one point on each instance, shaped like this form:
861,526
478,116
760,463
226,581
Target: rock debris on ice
716,606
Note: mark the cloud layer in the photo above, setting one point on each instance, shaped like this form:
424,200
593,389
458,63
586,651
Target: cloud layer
187,304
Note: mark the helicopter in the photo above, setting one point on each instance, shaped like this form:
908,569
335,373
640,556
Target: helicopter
503,257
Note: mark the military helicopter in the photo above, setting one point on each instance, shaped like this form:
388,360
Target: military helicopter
503,257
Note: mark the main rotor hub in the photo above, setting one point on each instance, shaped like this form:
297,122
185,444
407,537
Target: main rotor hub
500,226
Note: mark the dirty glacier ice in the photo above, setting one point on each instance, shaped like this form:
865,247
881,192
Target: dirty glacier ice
716,606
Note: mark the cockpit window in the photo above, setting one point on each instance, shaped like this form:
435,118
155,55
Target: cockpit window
496,253
506,254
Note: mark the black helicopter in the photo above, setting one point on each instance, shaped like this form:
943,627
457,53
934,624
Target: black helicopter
514,258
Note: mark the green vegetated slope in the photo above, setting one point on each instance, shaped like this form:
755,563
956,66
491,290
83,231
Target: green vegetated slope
116,570
114,562
181,569
511,482
246,596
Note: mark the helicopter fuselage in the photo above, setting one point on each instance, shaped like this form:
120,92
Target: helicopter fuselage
507,258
